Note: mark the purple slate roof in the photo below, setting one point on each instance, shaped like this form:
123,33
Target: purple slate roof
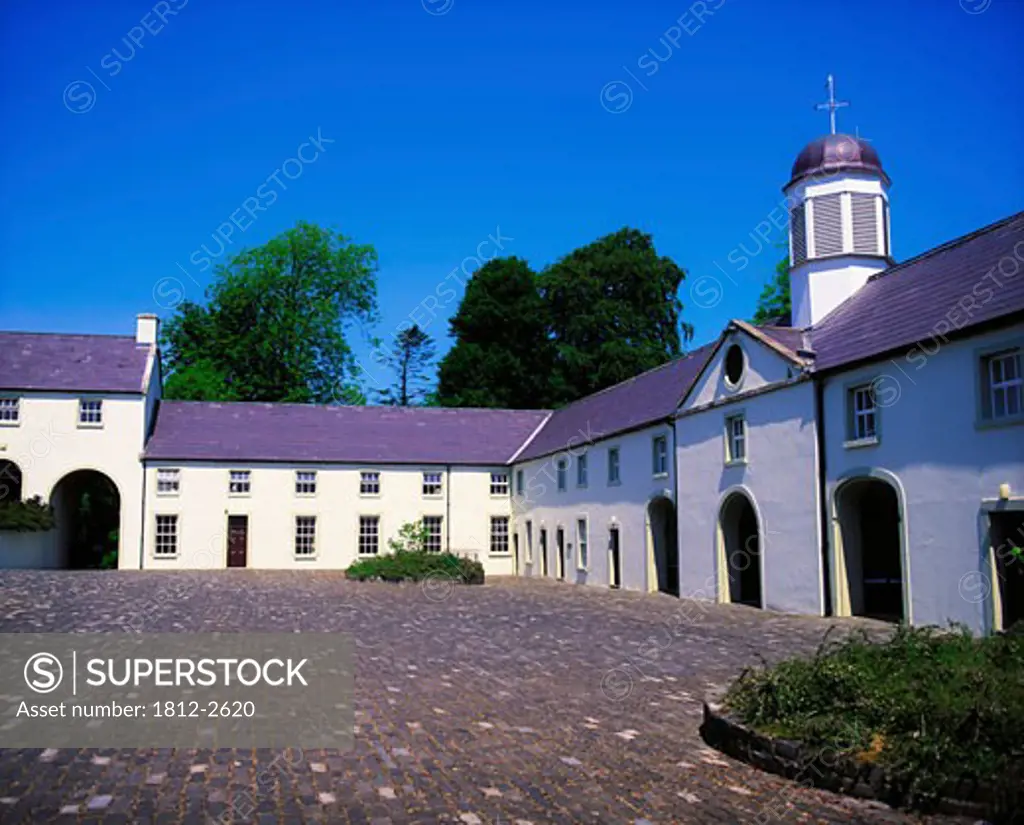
789,337
649,397
71,363
921,298
252,432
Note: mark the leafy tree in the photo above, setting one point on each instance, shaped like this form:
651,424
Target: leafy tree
614,312
774,306
410,358
502,356
273,327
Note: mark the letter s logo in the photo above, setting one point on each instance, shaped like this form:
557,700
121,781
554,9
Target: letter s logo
39,672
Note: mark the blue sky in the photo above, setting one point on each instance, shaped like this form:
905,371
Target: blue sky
443,122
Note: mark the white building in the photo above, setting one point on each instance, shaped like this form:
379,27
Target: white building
867,459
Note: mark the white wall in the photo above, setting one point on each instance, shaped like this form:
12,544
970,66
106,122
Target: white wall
943,462
601,504
203,505
30,551
48,443
779,477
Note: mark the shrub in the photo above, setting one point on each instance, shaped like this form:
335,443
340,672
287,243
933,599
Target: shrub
415,565
933,708
29,516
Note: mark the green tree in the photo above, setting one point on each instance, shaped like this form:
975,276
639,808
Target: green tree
273,327
614,312
502,356
410,358
774,306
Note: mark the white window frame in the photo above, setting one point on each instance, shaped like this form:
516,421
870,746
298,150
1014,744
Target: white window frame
1009,390
614,479
433,539
90,412
562,474
433,484
239,482
305,483
499,542
862,415
582,543
367,538
735,439
164,537
305,537
369,482
582,471
10,411
499,483
168,481
659,456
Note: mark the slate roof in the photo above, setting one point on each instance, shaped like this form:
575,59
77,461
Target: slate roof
253,432
920,298
71,363
651,396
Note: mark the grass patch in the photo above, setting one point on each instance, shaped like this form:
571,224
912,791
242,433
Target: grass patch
934,708
405,565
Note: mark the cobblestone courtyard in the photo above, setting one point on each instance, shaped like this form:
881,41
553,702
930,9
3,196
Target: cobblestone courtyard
517,702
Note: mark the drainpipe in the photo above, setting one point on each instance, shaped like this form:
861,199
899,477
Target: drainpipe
826,521
142,530
448,508
675,507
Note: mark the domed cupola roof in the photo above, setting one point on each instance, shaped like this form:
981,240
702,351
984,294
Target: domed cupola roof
835,153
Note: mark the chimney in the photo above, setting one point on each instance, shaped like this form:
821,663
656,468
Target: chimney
146,328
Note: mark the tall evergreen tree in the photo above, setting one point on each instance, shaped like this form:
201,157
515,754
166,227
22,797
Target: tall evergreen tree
410,358
614,312
502,356
774,306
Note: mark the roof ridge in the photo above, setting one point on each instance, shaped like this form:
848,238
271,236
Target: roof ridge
67,334
184,402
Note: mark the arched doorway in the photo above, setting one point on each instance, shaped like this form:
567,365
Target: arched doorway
87,509
10,482
869,541
1006,534
740,551
661,530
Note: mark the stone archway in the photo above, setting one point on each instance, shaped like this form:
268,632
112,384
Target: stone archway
869,544
87,509
739,541
662,533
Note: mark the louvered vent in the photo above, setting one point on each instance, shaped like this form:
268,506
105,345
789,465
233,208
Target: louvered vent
798,233
828,225
865,223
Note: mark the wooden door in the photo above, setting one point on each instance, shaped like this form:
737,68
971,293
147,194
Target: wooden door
238,540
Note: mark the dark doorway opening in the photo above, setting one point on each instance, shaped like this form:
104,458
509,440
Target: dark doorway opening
560,551
869,526
615,560
742,547
87,509
10,482
543,547
238,540
661,515
1006,532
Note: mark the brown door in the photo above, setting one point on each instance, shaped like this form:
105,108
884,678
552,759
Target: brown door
238,540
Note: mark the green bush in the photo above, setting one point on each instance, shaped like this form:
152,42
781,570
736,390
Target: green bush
416,565
30,516
933,708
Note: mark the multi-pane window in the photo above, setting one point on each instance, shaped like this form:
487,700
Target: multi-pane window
581,470
582,543
432,526
90,411
369,483
735,438
520,481
499,483
863,413
369,535
305,535
659,455
168,481
305,482
240,482
431,484
1003,385
10,410
562,469
166,536
499,535
613,465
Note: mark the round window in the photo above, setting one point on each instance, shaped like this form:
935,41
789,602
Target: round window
734,364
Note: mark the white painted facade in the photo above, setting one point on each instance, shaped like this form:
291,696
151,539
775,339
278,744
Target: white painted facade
601,504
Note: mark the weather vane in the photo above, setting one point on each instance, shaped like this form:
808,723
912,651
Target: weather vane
832,103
